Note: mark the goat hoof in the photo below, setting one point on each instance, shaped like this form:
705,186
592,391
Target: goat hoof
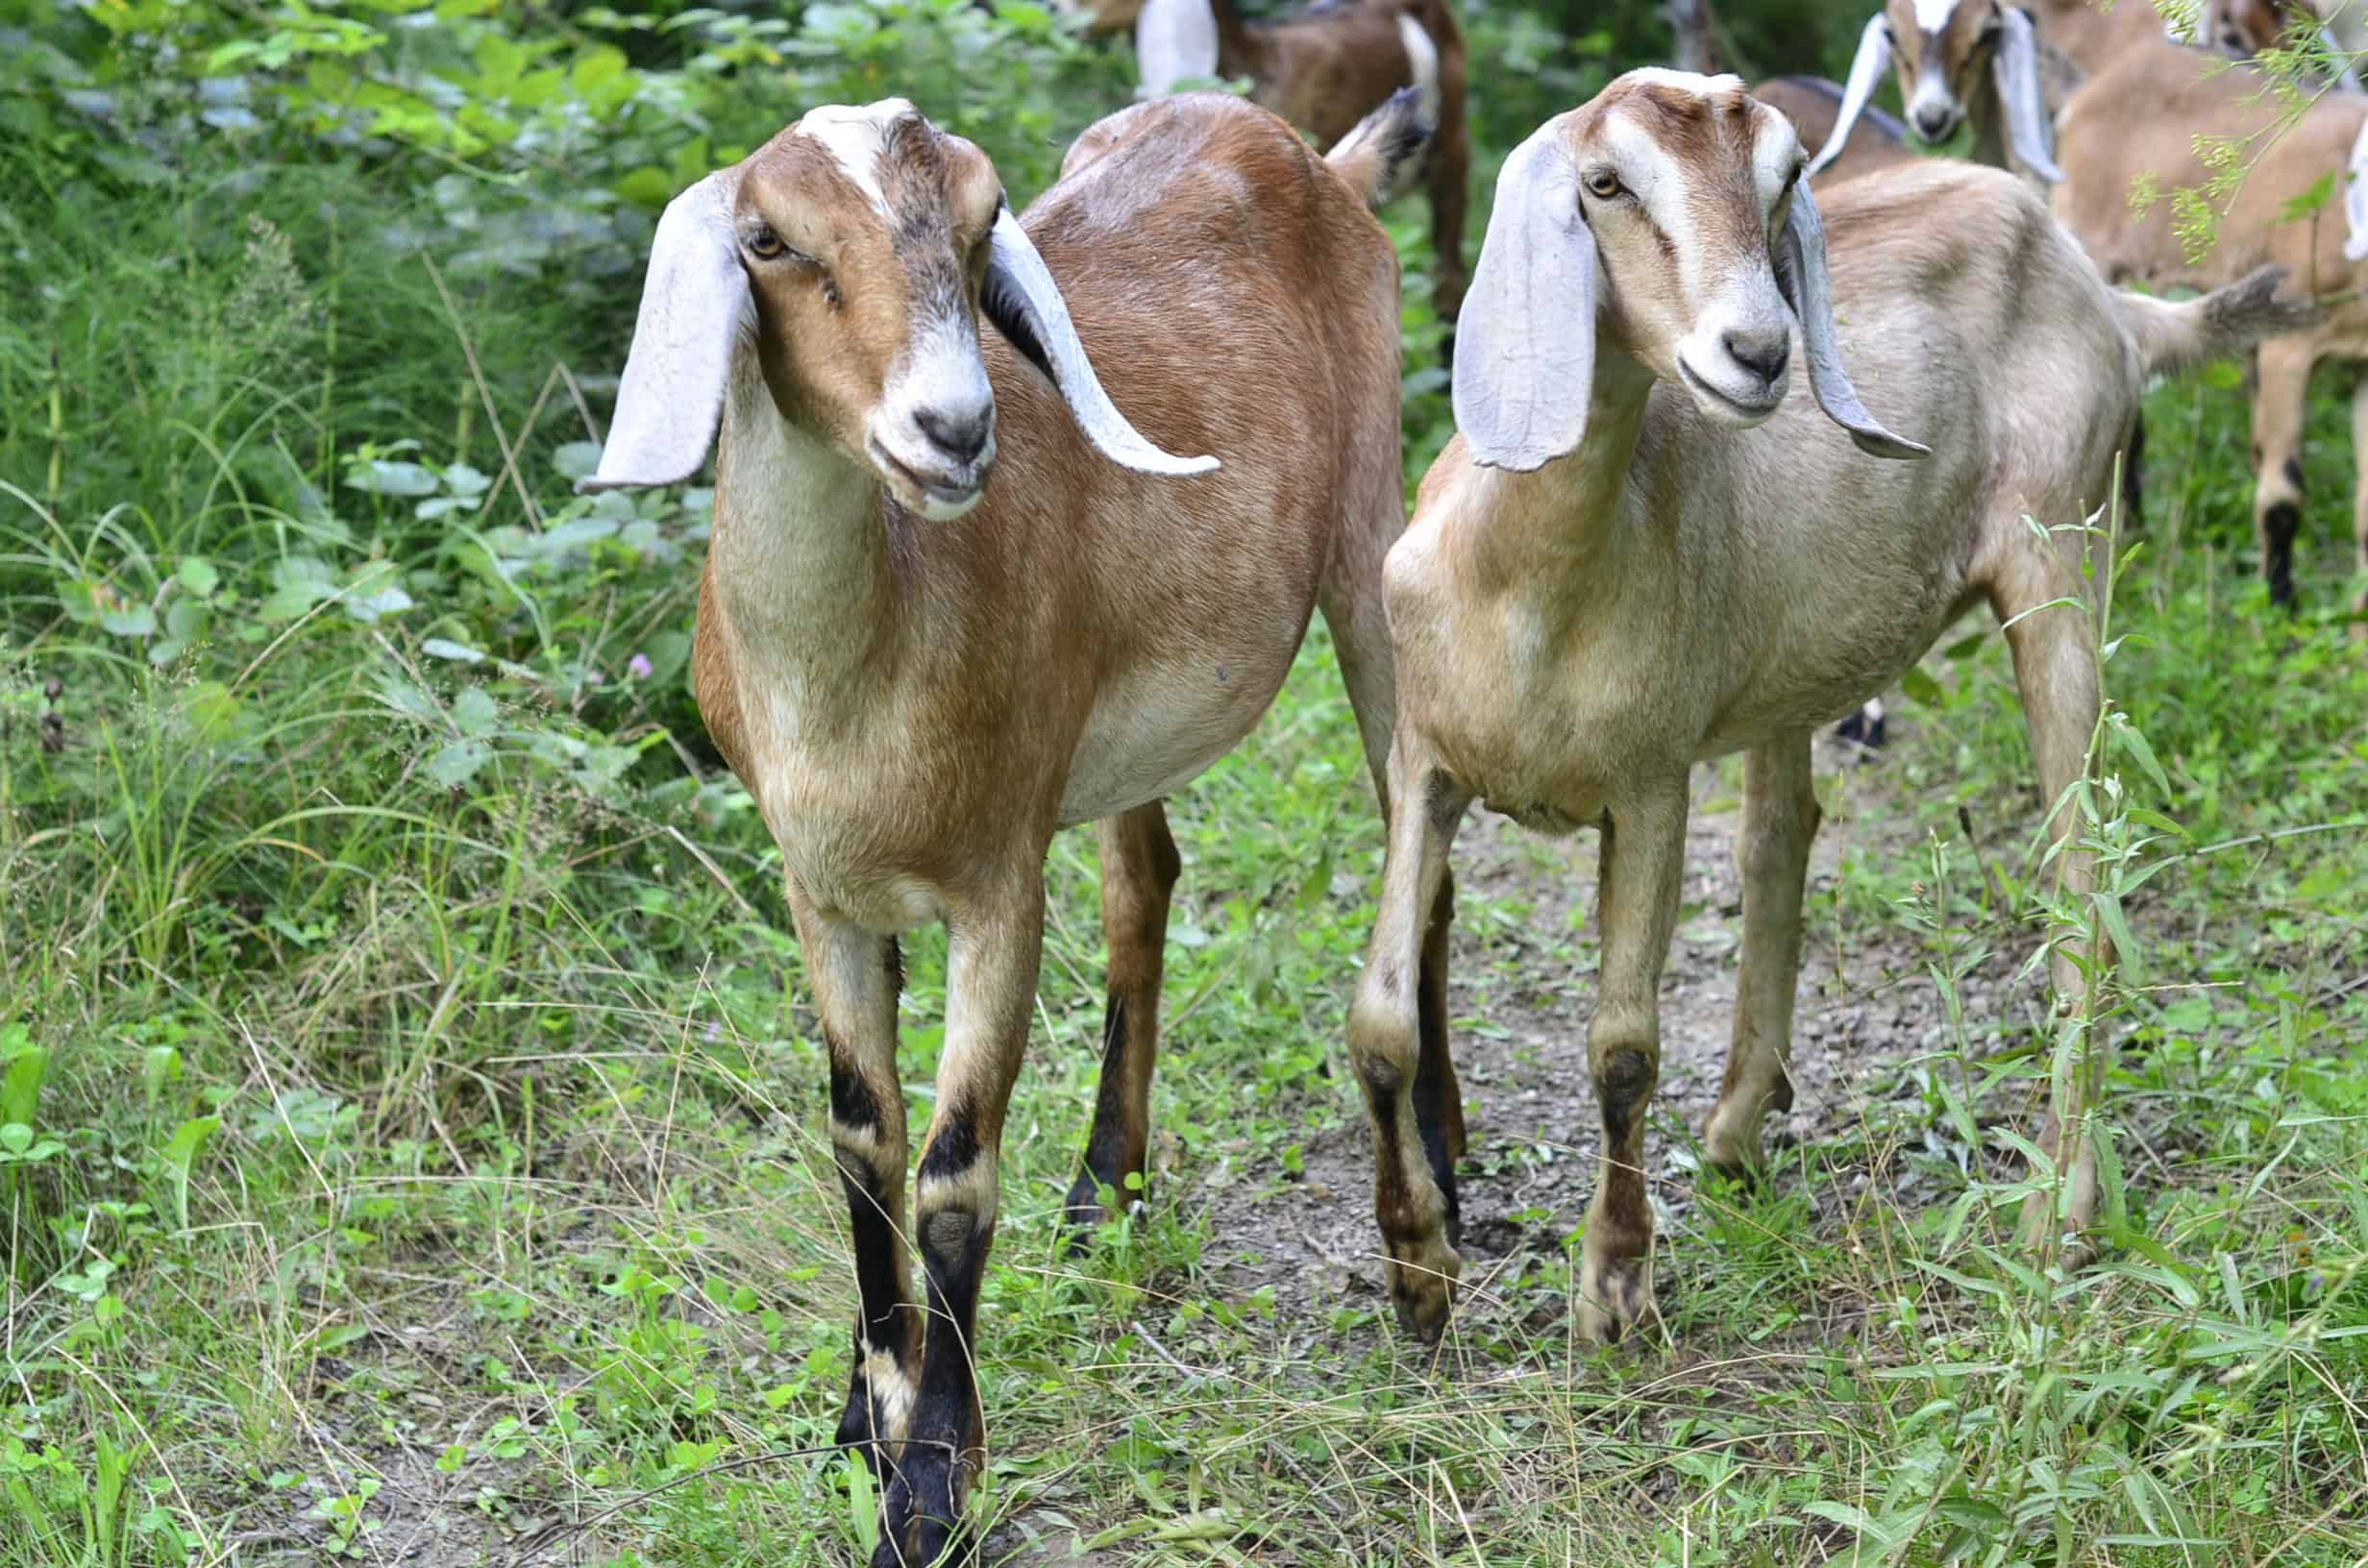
1615,1295
1422,1280
920,1518
1085,1213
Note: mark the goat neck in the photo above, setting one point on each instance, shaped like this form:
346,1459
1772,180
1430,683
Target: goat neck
1554,534
801,560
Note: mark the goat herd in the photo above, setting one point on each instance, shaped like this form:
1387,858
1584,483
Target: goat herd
963,590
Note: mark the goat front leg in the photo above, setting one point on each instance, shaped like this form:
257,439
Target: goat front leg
1397,1011
1139,869
2056,671
855,976
1780,819
2277,458
993,947
1643,873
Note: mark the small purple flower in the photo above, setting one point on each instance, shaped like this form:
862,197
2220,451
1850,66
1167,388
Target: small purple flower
638,667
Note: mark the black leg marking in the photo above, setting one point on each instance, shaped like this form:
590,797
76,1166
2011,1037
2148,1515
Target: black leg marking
1431,1116
1627,1080
921,1498
2132,486
2278,525
1105,1145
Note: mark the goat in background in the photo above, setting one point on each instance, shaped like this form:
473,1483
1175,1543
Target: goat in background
2141,118
1323,68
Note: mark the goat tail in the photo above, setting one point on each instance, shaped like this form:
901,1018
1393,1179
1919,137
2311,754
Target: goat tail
2226,321
1385,155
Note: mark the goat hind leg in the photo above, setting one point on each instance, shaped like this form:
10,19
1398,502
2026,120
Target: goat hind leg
1139,869
2276,452
1780,819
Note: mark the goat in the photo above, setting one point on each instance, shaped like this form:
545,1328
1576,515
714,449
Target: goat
2142,118
2247,27
1639,553
920,674
1813,105
1323,68
1957,60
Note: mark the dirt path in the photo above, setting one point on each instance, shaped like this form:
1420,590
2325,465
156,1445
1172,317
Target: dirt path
1520,995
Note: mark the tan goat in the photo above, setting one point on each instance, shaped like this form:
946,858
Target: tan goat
2141,119
1957,60
921,673
1323,68
1640,553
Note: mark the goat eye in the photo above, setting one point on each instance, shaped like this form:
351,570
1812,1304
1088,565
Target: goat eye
764,244
1603,184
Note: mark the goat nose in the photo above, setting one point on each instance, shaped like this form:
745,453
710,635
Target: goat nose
1766,354
1932,124
961,436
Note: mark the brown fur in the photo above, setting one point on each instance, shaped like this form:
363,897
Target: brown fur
1812,113
1326,67
2138,119
918,705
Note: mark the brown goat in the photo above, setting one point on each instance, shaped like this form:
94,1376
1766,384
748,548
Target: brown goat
1323,68
955,600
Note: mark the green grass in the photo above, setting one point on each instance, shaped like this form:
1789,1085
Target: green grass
421,1150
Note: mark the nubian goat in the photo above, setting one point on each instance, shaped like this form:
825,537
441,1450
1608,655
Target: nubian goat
1640,552
956,600
1812,103
1323,68
1957,60
2141,119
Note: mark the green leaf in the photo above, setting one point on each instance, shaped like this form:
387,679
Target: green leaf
576,460
198,575
459,762
474,713
2299,208
379,476
1921,687
130,621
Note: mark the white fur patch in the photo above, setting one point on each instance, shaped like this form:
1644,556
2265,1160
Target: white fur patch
2355,199
1932,15
1423,62
892,1394
858,139
1661,76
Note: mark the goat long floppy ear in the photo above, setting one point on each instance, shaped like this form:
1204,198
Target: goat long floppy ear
1866,68
1024,304
2015,71
1175,40
694,305
1800,273
1525,344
